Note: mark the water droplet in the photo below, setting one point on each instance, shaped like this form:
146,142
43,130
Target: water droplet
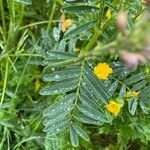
93,10
53,69
56,91
57,76
57,130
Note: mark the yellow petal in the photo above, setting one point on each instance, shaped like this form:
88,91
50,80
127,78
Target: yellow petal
114,107
102,71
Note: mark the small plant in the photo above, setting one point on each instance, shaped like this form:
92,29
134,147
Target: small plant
76,77
106,96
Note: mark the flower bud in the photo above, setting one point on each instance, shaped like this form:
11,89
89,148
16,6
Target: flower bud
122,21
132,59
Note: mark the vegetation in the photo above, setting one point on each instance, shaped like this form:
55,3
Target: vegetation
74,74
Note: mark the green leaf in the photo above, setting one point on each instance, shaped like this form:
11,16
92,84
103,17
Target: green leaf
63,74
116,64
92,113
143,107
96,87
59,87
81,9
60,106
135,78
25,2
79,1
81,132
51,143
121,72
60,55
80,30
107,83
56,116
84,119
145,91
57,127
74,137
132,105
112,88
6,124
48,61
139,85
38,62
60,114
90,95
122,91
56,33
88,102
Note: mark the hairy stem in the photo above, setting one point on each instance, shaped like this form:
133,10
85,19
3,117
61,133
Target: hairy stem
87,55
92,40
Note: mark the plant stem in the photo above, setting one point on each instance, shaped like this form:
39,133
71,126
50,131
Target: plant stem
19,22
14,24
33,24
98,30
11,34
3,18
4,138
92,40
5,81
127,87
25,55
101,14
87,55
17,55
51,16
78,87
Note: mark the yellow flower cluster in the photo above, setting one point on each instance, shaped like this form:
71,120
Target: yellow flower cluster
66,23
102,71
132,94
114,107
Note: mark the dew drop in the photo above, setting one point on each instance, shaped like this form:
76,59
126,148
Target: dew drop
56,91
57,76
93,10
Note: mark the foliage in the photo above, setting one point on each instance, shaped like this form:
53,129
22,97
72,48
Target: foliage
48,81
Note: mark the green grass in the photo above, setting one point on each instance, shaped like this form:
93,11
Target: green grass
27,35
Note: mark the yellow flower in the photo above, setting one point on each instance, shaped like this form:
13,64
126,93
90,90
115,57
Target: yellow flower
132,94
102,71
114,107
66,23
108,13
